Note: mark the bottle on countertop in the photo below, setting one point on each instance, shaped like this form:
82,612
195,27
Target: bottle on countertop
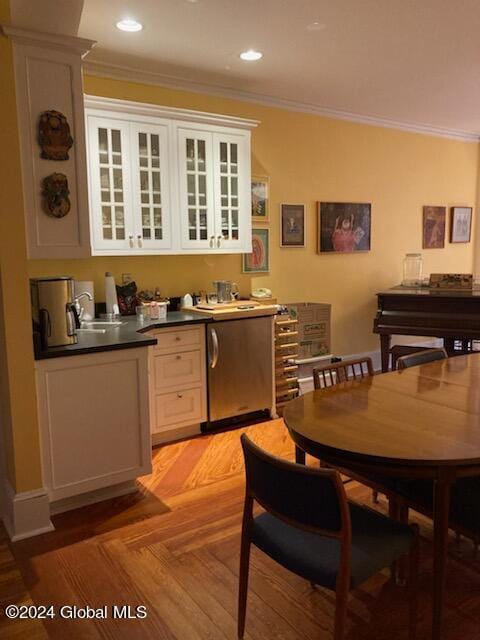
187,301
111,294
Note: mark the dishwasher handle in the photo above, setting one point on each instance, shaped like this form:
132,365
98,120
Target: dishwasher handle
215,350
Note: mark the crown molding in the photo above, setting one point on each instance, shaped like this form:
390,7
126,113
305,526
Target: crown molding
156,111
118,72
69,44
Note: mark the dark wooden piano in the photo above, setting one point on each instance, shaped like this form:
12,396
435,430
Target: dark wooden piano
451,315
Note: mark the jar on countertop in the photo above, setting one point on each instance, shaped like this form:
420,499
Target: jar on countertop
412,270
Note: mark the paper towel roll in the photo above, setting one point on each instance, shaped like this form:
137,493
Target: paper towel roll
79,286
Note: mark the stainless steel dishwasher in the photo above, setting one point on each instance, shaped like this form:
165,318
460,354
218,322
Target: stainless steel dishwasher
240,368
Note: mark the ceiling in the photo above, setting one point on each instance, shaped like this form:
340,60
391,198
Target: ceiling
408,62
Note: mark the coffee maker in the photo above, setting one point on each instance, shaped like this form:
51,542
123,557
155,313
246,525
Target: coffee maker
54,315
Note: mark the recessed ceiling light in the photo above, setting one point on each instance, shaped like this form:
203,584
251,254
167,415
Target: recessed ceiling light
129,25
316,26
251,55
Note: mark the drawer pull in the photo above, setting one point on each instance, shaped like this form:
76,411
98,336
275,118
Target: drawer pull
179,395
178,357
178,338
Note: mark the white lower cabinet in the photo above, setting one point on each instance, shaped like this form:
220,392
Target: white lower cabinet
177,375
94,420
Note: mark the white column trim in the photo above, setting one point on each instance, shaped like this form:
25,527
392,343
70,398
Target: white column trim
67,44
25,514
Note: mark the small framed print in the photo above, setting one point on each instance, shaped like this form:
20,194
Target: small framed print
260,198
434,227
460,224
292,225
259,260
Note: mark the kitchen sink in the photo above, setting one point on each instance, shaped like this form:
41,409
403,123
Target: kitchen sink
100,326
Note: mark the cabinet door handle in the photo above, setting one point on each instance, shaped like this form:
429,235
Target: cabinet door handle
130,241
212,241
219,240
215,349
179,395
177,338
140,243
179,357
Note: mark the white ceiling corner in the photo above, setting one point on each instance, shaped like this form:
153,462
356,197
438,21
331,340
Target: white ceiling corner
402,63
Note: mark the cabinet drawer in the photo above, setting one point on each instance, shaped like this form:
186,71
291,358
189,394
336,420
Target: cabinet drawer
178,407
177,369
179,339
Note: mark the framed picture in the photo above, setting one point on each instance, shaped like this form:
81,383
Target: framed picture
434,227
260,196
343,227
292,225
460,224
259,260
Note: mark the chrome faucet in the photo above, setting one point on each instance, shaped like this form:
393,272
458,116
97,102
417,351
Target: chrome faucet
76,302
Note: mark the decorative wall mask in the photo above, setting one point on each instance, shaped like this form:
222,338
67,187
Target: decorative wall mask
54,136
56,202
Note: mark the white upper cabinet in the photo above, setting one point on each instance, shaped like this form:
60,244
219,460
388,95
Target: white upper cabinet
150,187
167,180
110,188
196,205
231,157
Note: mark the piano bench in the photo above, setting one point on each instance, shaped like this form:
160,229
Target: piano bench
399,350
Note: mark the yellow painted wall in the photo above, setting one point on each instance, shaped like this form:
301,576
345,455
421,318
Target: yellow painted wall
18,413
309,159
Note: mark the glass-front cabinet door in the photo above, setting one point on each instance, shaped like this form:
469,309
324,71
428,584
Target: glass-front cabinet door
150,186
196,189
232,192
110,188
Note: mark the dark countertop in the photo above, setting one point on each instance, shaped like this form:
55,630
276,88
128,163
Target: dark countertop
129,335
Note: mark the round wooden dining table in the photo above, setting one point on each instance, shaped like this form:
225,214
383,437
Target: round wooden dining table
422,422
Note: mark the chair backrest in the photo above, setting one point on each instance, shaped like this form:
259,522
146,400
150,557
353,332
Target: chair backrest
306,497
334,373
421,357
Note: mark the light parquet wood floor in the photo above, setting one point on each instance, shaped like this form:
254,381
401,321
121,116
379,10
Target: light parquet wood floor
174,548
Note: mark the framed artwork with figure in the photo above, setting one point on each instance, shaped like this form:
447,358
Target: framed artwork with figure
434,227
460,224
260,196
343,227
292,225
259,260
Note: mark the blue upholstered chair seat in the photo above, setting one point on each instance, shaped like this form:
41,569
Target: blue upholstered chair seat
464,500
376,542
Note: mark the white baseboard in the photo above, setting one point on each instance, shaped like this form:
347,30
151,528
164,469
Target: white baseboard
92,497
25,514
170,435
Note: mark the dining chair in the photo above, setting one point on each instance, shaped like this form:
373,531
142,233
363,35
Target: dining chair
333,373
399,350
310,528
421,357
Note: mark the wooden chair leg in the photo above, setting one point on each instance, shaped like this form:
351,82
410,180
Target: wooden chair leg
413,584
243,584
401,564
341,602
393,509
300,456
